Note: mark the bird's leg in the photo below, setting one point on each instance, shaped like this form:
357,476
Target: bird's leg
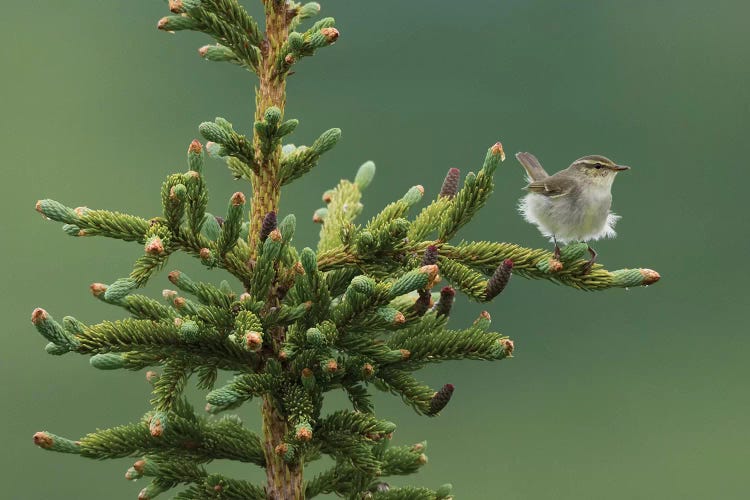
557,249
590,263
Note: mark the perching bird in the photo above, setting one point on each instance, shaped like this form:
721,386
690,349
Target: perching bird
573,204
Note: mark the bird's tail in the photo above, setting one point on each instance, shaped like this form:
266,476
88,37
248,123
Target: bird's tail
533,168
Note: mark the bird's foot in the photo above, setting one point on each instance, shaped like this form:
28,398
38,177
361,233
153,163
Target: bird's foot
557,251
587,268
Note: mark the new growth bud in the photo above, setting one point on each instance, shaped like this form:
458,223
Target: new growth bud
176,6
238,199
331,34
156,424
483,322
649,276
508,346
275,235
43,440
497,149
365,174
154,246
319,216
195,147
431,270
303,432
253,341
48,441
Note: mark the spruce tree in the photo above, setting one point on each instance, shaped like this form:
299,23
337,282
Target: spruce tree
362,311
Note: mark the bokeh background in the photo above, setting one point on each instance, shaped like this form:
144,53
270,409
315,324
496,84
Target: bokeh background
619,394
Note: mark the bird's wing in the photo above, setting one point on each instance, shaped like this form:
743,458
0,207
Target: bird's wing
532,166
553,186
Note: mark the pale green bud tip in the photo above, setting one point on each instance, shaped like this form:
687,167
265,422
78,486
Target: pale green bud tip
272,115
413,195
328,196
107,361
49,441
319,216
222,397
443,491
213,132
287,226
365,175
634,277
56,211
363,284
177,192
120,288
327,140
132,475
56,350
151,491
309,260
215,150
310,9
189,329
314,336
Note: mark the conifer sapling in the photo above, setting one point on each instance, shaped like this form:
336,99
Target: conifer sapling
363,311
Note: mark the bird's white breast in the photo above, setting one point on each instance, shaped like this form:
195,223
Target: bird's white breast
585,217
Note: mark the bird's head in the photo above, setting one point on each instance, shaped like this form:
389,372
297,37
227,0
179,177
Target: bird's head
596,169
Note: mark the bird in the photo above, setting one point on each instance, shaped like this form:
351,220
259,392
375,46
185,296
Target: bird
572,204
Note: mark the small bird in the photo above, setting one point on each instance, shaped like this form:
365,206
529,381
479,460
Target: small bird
573,204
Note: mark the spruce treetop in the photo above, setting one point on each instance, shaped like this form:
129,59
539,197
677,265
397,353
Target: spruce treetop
363,311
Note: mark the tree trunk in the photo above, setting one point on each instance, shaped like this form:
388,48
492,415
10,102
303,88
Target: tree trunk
284,480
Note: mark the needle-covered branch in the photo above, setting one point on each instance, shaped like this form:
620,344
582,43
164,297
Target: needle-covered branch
194,438
224,20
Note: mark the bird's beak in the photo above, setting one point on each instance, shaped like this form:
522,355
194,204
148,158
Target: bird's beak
619,168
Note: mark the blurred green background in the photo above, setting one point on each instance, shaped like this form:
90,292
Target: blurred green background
620,394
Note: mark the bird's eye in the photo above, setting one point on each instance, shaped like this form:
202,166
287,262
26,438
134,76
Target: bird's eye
598,166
